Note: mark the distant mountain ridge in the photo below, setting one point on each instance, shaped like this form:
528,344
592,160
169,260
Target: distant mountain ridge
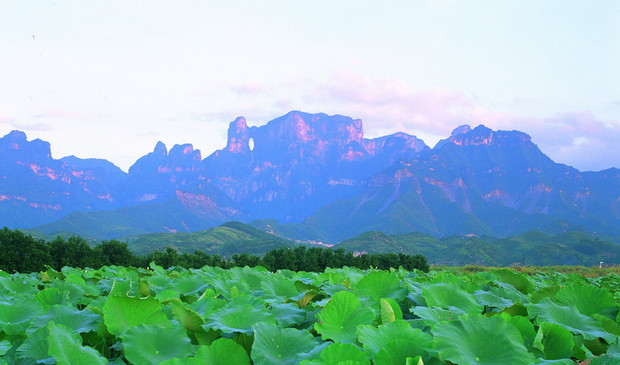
311,176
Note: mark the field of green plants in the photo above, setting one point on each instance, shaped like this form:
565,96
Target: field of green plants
120,315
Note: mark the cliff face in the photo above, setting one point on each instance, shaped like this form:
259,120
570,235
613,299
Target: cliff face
298,162
36,188
318,171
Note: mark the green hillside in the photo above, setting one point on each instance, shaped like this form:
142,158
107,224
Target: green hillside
532,248
226,240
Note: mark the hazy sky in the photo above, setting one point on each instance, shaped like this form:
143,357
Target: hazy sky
108,79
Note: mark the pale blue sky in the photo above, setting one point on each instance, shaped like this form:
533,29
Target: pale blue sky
108,79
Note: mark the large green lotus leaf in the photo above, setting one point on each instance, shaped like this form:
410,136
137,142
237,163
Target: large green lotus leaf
207,304
287,314
276,345
340,354
5,346
79,320
121,313
432,316
237,318
390,310
191,320
251,278
398,352
279,289
185,361
555,341
75,292
521,282
18,285
51,296
151,344
375,338
35,347
190,285
341,316
555,362
380,284
16,315
492,300
475,339
524,325
544,292
569,318
448,296
223,351
66,347
609,325
508,291
588,300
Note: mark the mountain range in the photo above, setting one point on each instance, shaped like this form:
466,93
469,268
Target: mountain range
311,177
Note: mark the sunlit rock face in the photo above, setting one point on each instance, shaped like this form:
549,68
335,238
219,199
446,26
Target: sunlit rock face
319,170
296,159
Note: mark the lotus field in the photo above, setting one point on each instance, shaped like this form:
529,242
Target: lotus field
119,315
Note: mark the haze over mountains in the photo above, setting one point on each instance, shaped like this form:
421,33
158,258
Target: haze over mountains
311,177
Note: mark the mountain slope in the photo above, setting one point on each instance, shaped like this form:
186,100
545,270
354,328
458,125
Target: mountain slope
482,182
225,240
531,248
312,177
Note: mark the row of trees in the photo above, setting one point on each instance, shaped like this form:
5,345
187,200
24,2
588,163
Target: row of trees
23,253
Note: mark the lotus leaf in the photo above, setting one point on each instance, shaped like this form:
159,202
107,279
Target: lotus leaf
449,296
588,300
237,318
521,282
569,318
120,313
287,314
36,348
555,341
16,315
399,352
475,339
66,347
185,361
279,289
375,338
340,354
152,344
78,320
379,284
341,316
276,345
51,296
223,351
191,320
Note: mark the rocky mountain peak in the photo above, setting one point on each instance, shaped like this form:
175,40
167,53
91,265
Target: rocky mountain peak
16,143
238,136
160,149
482,135
465,128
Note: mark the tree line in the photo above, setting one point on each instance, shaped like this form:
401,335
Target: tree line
23,253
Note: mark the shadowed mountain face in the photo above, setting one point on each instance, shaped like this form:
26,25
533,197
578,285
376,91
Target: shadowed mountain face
316,176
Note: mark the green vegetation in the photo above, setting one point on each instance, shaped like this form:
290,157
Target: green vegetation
23,253
125,315
528,249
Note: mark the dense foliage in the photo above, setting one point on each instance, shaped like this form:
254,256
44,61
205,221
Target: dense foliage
120,315
23,253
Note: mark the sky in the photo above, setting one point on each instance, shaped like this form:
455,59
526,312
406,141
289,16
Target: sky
108,79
